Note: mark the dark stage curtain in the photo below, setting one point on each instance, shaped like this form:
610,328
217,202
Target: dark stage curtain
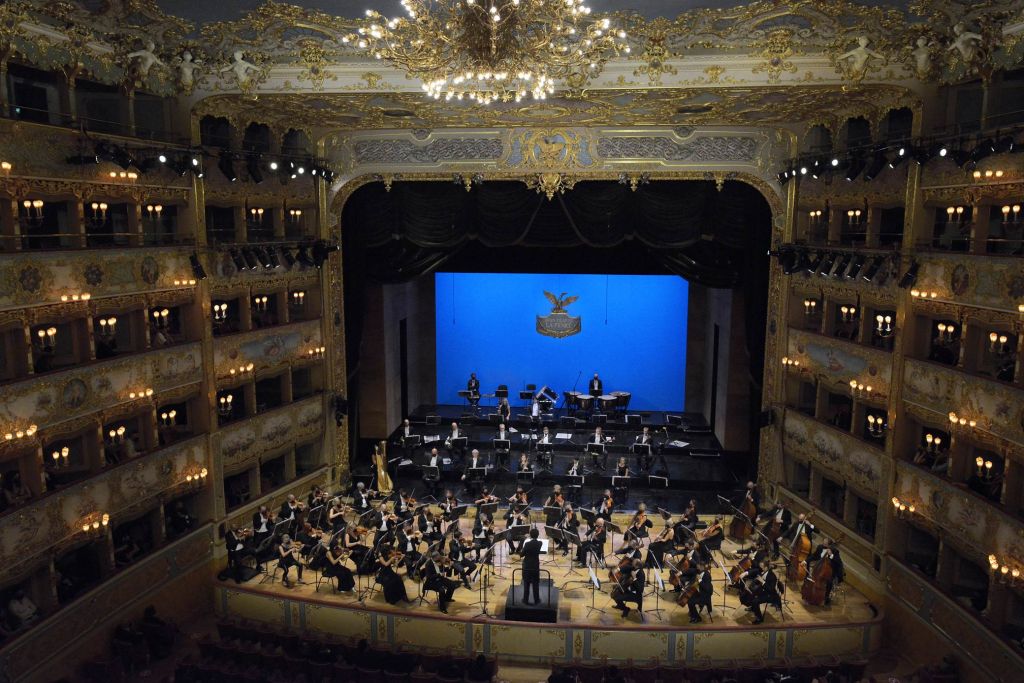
687,228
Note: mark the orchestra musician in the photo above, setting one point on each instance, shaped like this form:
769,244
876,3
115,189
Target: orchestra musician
545,437
448,506
574,468
432,476
639,526
408,544
289,508
427,526
596,386
644,438
502,453
406,503
690,516
555,500
599,437
352,539
486,497
334,568
607,505
238,548
361,497
712,537
761,587
524,463
828,551
661,545
504,409
388,578
700,578
517,516
531,568
473,387
308,538
316,497
631,550
287,557
776,523
801,527
630,588
621,468
483,533
569,522
473,463
454,450
336,515
262,525
458,547
435,580
593,543
404,440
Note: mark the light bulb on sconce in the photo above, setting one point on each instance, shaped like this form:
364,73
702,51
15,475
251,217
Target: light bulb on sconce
848,313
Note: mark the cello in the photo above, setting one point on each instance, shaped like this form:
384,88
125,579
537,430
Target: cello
815,588
741,526
798,552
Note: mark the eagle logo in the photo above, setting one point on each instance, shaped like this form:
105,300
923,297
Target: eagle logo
559,323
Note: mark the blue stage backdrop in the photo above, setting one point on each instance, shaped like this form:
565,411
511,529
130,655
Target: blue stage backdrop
631,329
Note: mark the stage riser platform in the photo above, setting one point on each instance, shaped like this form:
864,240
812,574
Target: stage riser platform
544,643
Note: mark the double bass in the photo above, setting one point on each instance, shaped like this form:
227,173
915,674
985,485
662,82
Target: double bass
798,552
815,588
741,526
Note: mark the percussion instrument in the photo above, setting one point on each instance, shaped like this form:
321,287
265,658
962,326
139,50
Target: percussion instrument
586,402
607,402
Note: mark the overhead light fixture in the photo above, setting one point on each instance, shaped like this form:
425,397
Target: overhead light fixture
252,166
825,267
251,258
287,257
877,164
303,257
854,168
910,277
812,264
226,164
788,259
841,265
901,154
854,271
236,258
872,270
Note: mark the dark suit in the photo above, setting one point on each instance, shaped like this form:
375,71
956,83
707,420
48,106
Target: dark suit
531,569
705,591
596,387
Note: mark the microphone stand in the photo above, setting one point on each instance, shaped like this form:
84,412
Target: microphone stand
659,586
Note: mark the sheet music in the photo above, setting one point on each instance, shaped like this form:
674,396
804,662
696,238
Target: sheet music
431,439
405,462
446,461
563,435
513,430
678,444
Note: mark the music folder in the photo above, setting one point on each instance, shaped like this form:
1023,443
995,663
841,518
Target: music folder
644,448
545,447
595,448
621,481
487,508
575,479
431,472
412,440
524,476
476,472
655,481
632,419
460,441
502,444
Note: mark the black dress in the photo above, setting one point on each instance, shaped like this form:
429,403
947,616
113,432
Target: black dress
392,583
343,574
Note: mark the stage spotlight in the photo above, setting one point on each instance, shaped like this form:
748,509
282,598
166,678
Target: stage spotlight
273,165
197,268
195,164
813,263
1004,144
984,148
783,177
264,256
910,277
328,175
825,267
272,258
321,249
854,168
788,259
252,165
227,166
855,267
900,156
162,158
237,259
961,158
941,151
876,166
841,265
871,271
302,255
122,158
251,259
287,257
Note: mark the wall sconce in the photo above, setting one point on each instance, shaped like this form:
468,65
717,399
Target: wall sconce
922,294
997,343
810,307
299,299
97,525
124,175
859,389
85,296
117,435
815,218
903,507
316,352
99,213
883,325
961,421
294,215
160,318
197,476
141,393
988,175
1002,572
848,313
154,212
60,458
955,214
108,327
167,418
5,167
945,332
932,443
876,426
790,362
1008,210
220,312
225,405
46,338
984,467
33,211
21,433
854,217
260,302
241,370
184,283
256,216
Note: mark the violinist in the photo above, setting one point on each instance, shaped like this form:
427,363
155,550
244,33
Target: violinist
516,517
644,438
520,497
690,517
308,537
458,549
238,547
334,568
352,539
287,557
388,578
761,588
599,438
336,515
449,506
428,526
606,506
776,523
316,498
639,526
574,468
555,500
569,522
361,498
483,533
486,497
699,579
593,543
660,545
408,544
262,525
828,551
435,580
406,504
630,588
290,508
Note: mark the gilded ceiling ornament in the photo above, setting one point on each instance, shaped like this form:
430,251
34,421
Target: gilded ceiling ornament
550,184
244,72
775,50
854,63
656,55
714,73
186,66
314,62
548,149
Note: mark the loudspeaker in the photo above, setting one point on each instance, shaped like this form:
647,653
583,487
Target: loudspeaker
767,418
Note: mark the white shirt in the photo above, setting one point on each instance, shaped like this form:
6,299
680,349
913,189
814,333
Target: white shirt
406,431
598,438
433,461
545,438
501,434
535,409
24,609
263,524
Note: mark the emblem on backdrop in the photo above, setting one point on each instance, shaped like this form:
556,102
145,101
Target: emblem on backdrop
559,323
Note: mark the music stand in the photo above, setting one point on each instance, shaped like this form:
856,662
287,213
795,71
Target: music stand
599,419
460,443
281,527
432,420
487,508
501,391
595,586
575,482
589,515
635,420
622,484
568,421
596,449
546,449
502,447
475,475
556,534
494,418
654,481
524,477
674,420
640,449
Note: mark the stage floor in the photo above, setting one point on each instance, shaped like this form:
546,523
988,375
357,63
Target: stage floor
850,627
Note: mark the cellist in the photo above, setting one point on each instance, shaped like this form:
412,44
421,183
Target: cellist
699,579
776,523
798,538
742,523
827,551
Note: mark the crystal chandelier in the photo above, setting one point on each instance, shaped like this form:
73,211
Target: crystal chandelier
489,50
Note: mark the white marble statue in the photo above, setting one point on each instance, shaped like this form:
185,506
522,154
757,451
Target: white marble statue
922,57
241,68
187,70
145,59
966,43
859,56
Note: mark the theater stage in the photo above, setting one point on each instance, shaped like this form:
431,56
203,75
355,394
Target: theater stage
850,629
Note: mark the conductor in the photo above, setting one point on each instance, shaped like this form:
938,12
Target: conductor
531,568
